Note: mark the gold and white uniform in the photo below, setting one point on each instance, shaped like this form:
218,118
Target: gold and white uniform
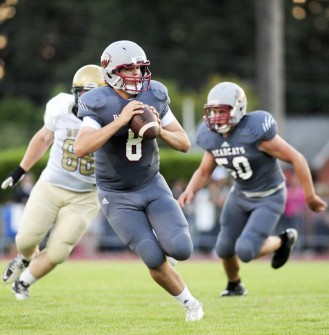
65,194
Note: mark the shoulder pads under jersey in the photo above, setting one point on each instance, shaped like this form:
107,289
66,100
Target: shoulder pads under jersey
205,137
262,124
160,91
94,99
60,104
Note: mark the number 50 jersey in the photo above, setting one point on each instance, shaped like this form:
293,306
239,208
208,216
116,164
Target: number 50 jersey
64,169
255,172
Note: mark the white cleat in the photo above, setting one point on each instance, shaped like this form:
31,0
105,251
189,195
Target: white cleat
20,290
194,312
14,269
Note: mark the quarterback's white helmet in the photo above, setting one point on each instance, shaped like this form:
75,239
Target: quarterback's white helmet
125,54
226,105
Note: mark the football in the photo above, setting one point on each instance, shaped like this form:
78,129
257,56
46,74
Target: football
145,125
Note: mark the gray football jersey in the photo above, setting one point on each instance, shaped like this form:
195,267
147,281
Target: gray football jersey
125,161
252,169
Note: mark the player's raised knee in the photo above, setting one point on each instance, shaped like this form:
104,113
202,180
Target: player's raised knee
183,247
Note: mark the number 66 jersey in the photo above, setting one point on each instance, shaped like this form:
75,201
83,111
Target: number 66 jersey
64,169
255,173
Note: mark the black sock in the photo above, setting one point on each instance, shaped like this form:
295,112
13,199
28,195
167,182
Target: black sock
283,237
233,284
25,262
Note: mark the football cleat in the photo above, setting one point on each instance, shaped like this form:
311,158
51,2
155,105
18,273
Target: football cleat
14,269
237,290
194,312
20,290
281,255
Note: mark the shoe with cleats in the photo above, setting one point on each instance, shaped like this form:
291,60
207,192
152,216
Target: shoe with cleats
194,312
280,256
14,269
236,290
20,290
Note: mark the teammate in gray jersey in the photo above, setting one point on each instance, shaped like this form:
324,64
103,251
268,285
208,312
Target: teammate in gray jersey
134,196
64,196
248,146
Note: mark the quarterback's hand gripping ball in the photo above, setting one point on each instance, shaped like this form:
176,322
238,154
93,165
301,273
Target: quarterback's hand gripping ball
145,125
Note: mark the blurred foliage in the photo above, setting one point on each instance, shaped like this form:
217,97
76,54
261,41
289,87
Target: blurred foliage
189,42
10,159
21,118
174,165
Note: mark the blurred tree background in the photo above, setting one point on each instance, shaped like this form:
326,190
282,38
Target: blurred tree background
192,44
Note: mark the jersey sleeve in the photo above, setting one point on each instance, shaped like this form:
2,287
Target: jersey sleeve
58,105
88,104
263,125
205,137
167,118
160,91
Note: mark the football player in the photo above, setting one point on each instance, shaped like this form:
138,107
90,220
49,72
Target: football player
65,195
248,146
134,196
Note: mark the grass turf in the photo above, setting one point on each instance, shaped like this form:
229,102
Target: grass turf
119,297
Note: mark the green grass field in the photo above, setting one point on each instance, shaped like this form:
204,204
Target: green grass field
119,297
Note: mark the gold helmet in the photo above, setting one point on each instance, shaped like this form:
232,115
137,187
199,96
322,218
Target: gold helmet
85,79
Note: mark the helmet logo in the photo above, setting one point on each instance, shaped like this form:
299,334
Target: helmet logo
106,62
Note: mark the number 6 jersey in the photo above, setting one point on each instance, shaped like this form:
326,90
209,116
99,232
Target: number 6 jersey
255,173
64,169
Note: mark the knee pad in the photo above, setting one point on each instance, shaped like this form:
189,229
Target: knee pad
27,242
150,253
224,248
59,253
245,250
182,247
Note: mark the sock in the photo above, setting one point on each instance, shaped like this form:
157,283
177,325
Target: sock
27,277
283,237
233,284
27,260
185,298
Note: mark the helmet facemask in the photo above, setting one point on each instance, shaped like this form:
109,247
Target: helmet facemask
218,118
77,91
134,84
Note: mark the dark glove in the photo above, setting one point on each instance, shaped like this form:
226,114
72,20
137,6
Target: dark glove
15,176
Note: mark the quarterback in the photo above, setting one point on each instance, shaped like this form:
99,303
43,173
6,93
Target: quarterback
134,196
248,146
64,198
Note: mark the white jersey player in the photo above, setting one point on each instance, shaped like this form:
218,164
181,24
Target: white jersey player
65,195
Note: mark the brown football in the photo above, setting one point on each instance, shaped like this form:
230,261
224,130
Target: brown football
145,125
